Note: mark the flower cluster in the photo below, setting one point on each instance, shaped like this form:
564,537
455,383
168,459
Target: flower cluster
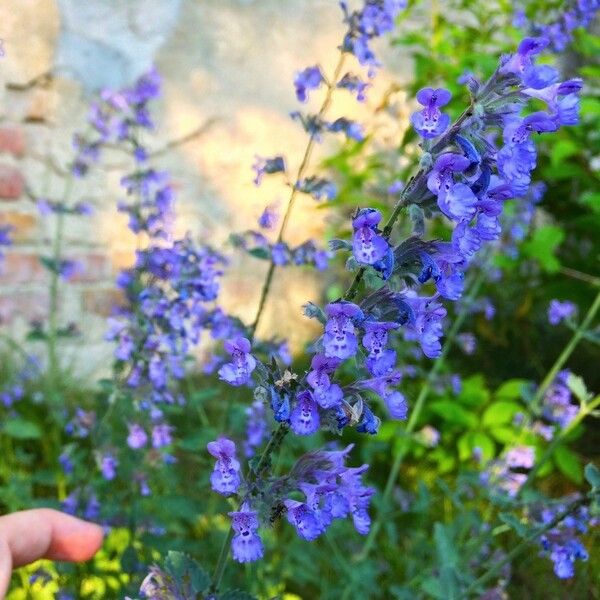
319,489
561,544
167,291
374,19
575,14
118,115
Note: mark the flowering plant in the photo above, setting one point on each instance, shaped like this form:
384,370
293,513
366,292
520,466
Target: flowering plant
416,259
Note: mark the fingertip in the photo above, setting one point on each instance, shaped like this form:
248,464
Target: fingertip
74,539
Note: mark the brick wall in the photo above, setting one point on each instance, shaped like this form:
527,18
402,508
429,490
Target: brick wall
228,64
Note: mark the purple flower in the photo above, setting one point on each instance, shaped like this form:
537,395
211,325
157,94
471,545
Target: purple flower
269,217
309,79
267,166
239,370
225,478
161,435
376,337
431,122
557,403
304,418
68,269
354,84
327,394
246,545
137,437
108,466
522,59
303,519
339,340
520,457
368,247
351,129
560,311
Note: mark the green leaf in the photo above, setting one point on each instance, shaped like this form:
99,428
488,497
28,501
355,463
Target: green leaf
504,435
514,523
568,464
577,386
186,572
592,475
474,391
562,149
454,413
500,413
476,439
511,389
446,555
543,245
261,253
22,429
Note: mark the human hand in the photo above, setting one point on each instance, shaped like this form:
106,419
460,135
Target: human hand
44,533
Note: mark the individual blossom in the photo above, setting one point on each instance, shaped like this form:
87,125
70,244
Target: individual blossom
351,129
327,394
304,418
339,340
431,121
246,545
239,370
560,311
108,466
455,199
355,85
309,79
137,437
267,166
225,478
161,435
303,519
557,404
269,217
318,187
368,247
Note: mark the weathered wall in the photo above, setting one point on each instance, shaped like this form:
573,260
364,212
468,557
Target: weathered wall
228,64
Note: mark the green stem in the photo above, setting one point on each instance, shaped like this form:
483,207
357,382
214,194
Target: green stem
567,351
273,445
53,362
416,413
294,192
415,185
517,550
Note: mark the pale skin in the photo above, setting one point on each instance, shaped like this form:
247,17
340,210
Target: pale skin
30,535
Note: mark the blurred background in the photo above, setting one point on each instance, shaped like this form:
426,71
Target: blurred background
228,67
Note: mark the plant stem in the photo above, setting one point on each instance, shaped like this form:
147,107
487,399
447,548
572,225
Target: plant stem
595,281
567,351
272,446
53,363
416,413
294,192
415,184
489,574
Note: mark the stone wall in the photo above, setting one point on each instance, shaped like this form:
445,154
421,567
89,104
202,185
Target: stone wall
228,67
